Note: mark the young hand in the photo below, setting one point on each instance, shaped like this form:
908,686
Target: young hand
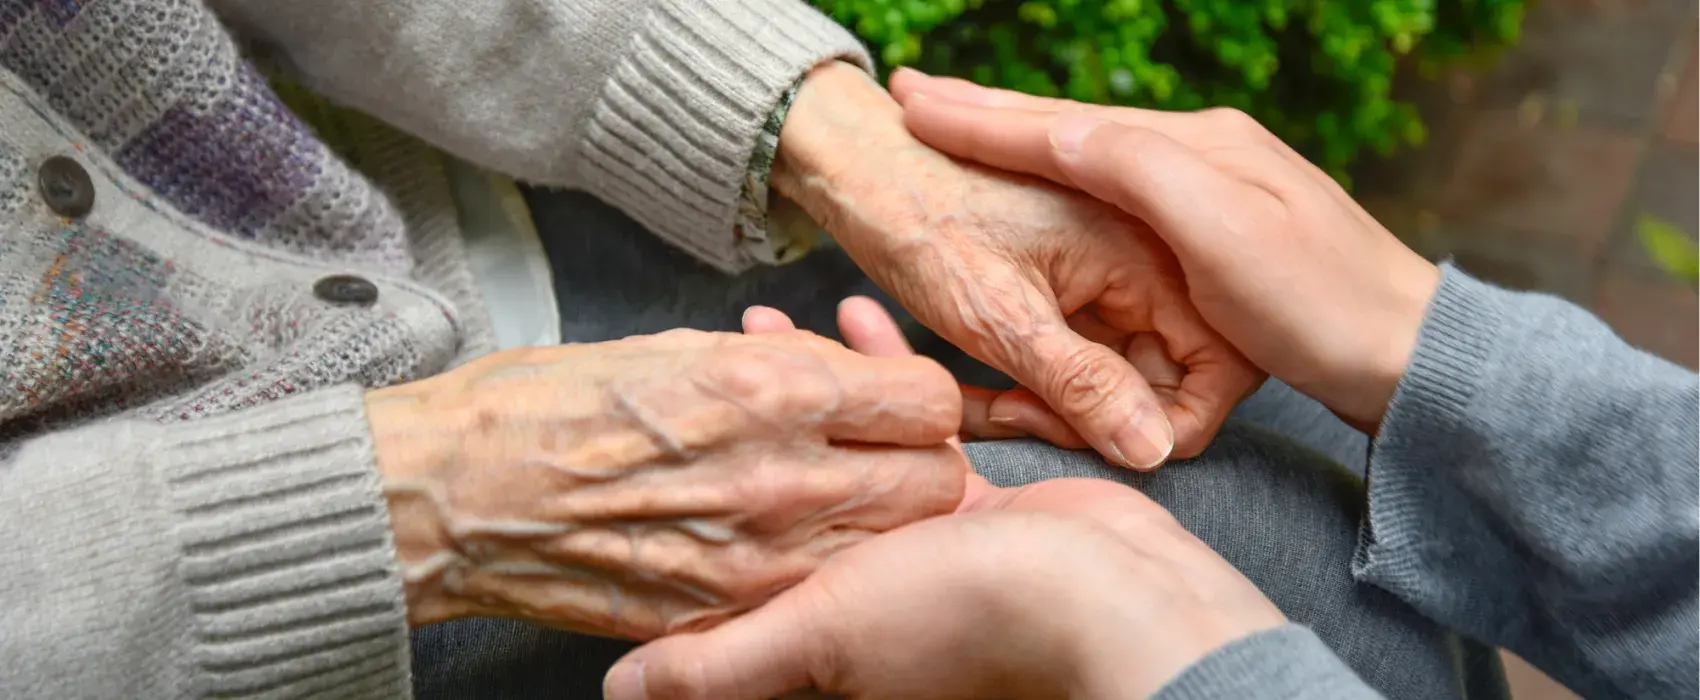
1277,257
1076,300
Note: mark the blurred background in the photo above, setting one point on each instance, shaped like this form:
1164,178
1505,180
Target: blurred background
1542,144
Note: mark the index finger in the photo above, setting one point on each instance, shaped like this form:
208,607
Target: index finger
910,400
1017,140
1017,137
908,82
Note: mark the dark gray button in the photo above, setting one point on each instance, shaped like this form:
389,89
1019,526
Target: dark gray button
66,187
346,289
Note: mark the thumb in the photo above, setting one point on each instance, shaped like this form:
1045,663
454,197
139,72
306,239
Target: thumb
1101,395
758,656
1146,174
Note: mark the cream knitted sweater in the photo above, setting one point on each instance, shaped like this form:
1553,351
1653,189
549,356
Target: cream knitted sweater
194,292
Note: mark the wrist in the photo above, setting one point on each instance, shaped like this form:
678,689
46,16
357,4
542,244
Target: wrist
1081,643
843,138
837,107
1361,394
405,447
1181,615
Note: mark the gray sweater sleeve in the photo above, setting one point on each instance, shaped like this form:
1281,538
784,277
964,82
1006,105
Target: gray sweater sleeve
1534,485
651,105
1285,663
151,561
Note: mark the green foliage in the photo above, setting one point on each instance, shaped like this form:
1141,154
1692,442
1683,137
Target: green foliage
1669,248
1319,73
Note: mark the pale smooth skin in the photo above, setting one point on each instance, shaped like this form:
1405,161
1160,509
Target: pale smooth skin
1075,299
1276,256
905,615
655,484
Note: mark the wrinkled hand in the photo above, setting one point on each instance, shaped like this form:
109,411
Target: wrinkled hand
1075,299
1277,257
655,484
1068,588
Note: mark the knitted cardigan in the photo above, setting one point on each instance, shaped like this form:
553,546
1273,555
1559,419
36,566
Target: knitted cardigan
188,501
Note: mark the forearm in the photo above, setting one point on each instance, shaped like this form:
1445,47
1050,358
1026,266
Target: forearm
237,556
1534,486
653,105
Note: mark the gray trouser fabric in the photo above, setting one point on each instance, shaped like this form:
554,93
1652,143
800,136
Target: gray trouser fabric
1278,511
1275,494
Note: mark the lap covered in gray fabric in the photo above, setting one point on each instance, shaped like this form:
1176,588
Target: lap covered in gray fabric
1277,511
1280,507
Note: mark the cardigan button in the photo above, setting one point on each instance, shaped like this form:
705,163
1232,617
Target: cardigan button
66,187
346,289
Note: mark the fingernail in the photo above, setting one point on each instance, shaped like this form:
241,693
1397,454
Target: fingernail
1002,414
907,69
1147,443
1071,131
625,682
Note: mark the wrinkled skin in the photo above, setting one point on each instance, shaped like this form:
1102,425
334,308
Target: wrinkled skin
1073,298
1077,588
1277,257
655,484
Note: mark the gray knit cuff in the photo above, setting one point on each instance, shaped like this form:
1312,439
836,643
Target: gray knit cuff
1278,664
670,137
1462,328
288,566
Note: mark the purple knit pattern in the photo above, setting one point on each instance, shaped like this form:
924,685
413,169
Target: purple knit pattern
235,164
218,144
60,12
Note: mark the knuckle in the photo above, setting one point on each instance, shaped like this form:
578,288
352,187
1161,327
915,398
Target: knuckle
766,381
1233,121
676,336
808,340
759,493
935,393
741,372
1084,380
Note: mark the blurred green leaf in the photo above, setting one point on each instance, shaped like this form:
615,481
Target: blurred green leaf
1669,247
1319,74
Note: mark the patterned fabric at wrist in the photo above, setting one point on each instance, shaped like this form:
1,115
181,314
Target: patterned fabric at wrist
768,228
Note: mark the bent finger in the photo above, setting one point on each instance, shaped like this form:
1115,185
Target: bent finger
976,416
1021,409
869,329
909,400
765,319
1095,389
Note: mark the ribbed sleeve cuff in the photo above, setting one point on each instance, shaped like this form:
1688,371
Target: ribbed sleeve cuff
287,557
1285,662
1460,332
670,137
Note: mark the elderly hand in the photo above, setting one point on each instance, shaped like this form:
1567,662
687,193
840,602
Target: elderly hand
655,484
1075,299
1277,257
1068,588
